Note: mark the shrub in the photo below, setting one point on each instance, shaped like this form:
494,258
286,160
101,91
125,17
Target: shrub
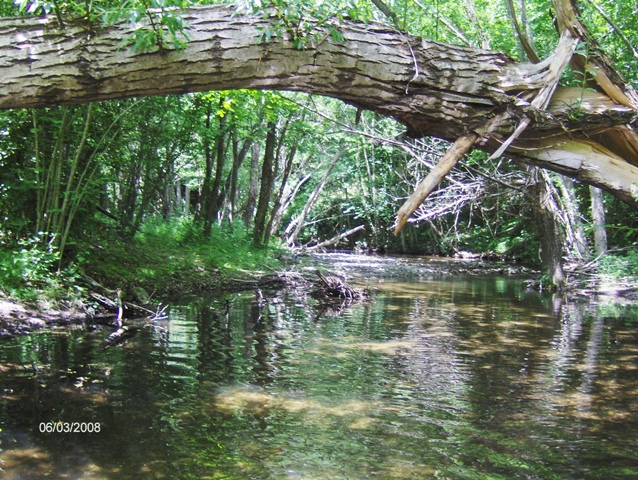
31,272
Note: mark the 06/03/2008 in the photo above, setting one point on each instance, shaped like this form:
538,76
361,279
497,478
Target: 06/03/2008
70,427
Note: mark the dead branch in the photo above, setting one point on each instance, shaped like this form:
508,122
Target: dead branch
436,175
335,239
338,288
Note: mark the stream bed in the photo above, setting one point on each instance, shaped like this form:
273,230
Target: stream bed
469,377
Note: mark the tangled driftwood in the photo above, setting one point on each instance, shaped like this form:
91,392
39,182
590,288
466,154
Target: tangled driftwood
332,286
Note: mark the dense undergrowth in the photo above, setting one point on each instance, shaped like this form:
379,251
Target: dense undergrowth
165,258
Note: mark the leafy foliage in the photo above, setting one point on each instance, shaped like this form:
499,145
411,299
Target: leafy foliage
167,27
621,266
173,256
30,273
196,161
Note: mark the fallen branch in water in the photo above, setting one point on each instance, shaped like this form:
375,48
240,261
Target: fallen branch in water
336,287
120,335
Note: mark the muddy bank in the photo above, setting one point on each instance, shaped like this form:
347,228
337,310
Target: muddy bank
19,319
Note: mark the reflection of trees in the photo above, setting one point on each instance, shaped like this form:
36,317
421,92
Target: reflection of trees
515,366
447,371
73,380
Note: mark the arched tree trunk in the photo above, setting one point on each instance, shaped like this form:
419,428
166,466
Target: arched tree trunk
447,91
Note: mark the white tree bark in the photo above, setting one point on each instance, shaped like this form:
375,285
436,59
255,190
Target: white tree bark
440,90
598,220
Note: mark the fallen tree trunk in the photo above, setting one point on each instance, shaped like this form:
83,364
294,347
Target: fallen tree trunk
336,238
447,91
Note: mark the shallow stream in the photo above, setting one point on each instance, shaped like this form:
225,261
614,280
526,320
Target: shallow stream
457,377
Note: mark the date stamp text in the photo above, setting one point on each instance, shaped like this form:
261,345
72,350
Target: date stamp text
69,427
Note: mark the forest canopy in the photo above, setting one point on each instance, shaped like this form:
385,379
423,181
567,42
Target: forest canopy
528,84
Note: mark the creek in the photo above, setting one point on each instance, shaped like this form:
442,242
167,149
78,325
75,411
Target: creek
468,376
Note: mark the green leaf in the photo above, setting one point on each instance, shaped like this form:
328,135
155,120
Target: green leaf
336,35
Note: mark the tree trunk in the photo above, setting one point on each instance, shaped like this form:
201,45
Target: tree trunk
238,159
253,184
314,196
576,241
212,191
550,228
598,217
277,211
208,167
447,91
260,235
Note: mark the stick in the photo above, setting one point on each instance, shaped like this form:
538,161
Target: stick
120,309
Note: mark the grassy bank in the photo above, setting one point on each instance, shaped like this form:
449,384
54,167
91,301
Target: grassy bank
166,259
169,259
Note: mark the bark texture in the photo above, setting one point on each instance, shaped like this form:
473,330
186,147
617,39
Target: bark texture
435,89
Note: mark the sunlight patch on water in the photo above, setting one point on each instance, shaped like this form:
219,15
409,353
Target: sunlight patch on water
392,347
36,462
251,400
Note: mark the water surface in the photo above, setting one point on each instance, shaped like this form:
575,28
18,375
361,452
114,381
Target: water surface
465,377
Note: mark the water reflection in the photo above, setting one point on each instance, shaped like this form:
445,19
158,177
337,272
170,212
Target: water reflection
457,378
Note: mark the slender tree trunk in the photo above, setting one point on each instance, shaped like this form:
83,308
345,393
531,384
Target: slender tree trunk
291,197
187,201
260,235
38,173
576,239
212,206
51,196
253,184
208,167
312,199
275,213
598,217
179,201
238,159
64,224
148,190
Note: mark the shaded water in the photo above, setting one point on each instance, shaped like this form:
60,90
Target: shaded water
456,378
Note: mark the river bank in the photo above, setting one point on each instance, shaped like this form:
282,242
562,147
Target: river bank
98,303
142,293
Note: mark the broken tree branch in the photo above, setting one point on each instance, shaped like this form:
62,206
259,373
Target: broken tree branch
436,175
557,63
